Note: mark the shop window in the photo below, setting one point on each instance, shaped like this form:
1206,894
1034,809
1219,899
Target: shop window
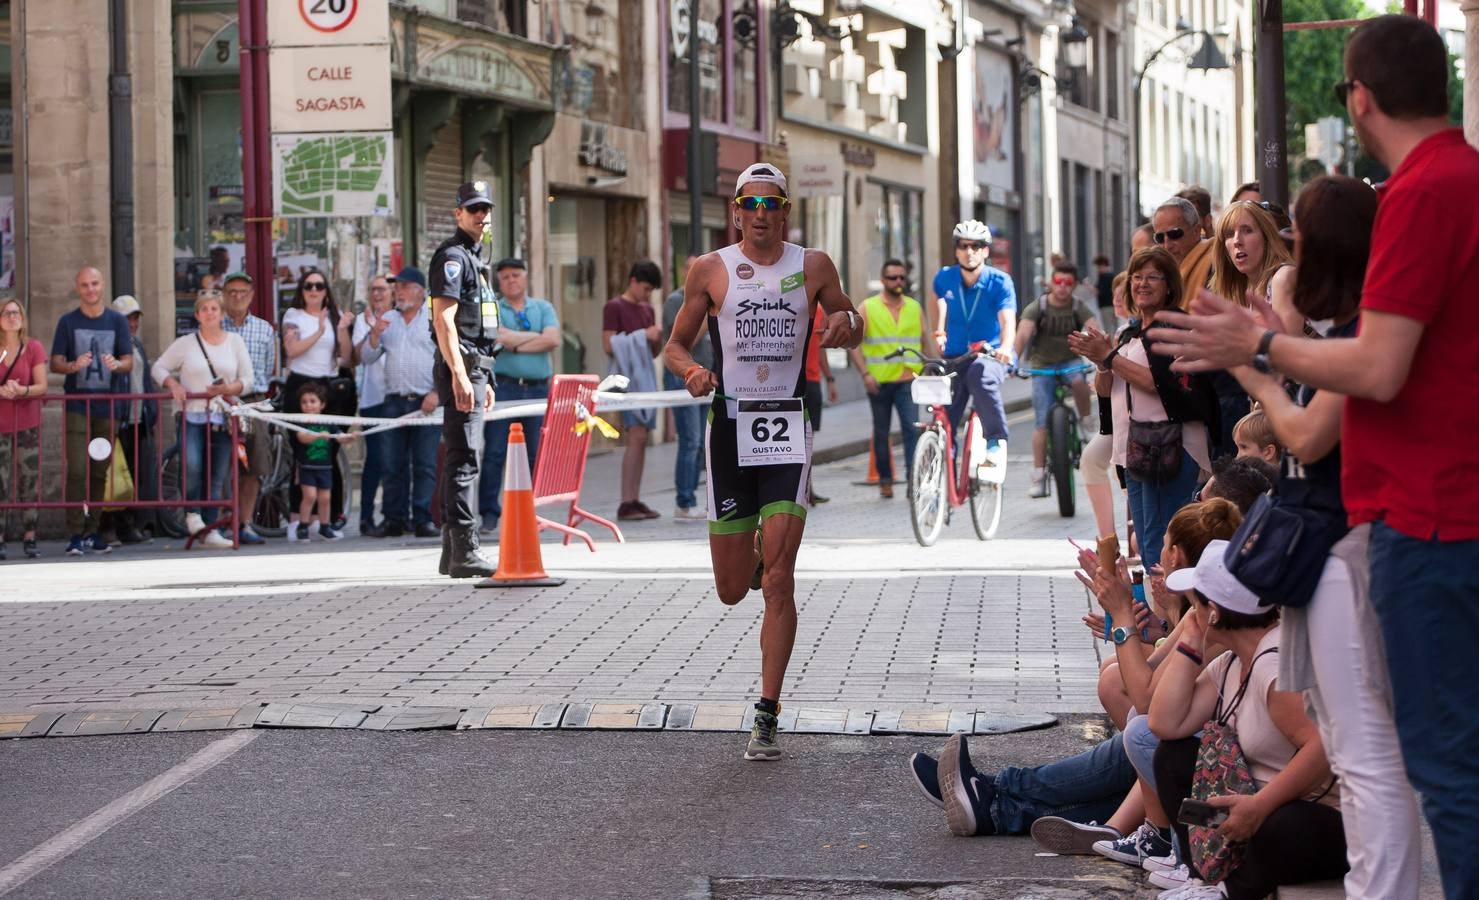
898,229
712,49
1112,74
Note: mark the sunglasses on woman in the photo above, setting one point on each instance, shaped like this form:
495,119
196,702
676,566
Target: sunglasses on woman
750,204
315,286
1174,234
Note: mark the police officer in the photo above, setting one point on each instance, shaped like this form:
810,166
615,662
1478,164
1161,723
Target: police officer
464,323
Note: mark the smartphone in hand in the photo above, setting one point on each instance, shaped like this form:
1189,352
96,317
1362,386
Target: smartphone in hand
1200,813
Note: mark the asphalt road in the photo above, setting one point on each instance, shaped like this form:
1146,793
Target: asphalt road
338,814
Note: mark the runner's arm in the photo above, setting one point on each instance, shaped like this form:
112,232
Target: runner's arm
688,324
844,322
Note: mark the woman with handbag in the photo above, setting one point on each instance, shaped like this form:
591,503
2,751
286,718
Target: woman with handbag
1269,810
216,362
1332,645
22,376
317,345
1161,417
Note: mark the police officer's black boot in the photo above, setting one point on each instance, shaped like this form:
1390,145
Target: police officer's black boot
466,561
445,565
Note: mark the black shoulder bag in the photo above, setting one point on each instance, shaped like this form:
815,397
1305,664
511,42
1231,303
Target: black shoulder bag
1279,551
1152,449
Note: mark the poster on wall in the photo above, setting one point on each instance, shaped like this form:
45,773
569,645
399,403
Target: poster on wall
995,140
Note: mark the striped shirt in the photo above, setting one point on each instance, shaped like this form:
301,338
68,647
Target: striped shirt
261,344
408,353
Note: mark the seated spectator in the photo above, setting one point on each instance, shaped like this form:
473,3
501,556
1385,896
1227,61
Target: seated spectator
210,361
1291,825
1254,436
22,376
1240,479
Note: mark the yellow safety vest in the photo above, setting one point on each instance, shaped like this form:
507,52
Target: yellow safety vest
883,336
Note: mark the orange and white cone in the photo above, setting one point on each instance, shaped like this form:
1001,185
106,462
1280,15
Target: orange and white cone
519,560
872,478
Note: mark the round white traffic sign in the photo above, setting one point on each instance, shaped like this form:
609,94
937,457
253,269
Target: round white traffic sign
328,15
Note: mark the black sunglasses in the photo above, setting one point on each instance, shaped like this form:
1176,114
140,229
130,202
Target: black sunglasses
971,245
895,277
1174,234
1342,88
315,286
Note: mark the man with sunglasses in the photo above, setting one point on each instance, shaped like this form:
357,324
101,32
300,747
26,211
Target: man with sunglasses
1043,339
892,321
975,309
1177,227
528,330
755,298
465,324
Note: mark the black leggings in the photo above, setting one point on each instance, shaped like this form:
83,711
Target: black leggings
1300,841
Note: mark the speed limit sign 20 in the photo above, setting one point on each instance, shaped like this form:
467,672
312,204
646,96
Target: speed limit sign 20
328,15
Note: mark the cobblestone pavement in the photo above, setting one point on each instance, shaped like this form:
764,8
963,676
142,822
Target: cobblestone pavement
884,623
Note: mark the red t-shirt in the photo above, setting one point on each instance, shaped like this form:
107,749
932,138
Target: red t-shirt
1410,462
814,346
21,415
623,316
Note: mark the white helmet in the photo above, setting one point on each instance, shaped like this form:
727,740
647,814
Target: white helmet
972,230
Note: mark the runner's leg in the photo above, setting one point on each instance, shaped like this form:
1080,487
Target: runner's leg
778,630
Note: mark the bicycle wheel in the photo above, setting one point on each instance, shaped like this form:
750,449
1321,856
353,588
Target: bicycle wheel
985,507
274,509
171,519
928,502
1060,453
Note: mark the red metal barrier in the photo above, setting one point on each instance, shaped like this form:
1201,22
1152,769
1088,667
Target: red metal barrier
560,470
52,459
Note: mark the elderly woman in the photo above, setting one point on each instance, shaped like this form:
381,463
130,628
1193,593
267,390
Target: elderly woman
1160,417
22,376
214,362
1290,825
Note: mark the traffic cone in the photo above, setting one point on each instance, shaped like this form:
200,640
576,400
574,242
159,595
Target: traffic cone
519,561
872,478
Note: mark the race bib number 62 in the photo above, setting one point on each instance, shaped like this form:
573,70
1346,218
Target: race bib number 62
771,432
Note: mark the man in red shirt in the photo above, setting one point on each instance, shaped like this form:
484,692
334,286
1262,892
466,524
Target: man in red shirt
1407,443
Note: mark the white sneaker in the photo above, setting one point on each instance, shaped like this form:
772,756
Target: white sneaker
1167,863
194,524
215,540
1174,878
1194,889
292,531
690,514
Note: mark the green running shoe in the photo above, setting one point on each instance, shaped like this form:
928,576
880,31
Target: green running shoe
762,739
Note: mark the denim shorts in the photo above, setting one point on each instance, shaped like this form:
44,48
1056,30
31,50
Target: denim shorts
1043,388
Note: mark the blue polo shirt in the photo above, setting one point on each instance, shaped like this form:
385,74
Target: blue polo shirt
971,313
536,316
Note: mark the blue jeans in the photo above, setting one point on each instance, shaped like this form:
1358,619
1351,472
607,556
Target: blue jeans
374,470
688,422
1084,788
1426,594
1153,505
893,396
1140,746
195,466
409,465
1045,394
495,443
982,379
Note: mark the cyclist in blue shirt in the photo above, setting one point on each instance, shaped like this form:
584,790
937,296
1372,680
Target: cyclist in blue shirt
976,307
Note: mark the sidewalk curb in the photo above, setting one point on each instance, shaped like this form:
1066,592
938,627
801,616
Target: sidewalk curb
860,446
608,715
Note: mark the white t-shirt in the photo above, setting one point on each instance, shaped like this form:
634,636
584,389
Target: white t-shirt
1148,408
188,365
319,361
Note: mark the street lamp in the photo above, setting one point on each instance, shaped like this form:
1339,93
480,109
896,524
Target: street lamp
1076,46
1208,58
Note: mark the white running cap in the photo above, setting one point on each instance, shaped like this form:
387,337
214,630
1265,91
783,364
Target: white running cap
1216,583
763,172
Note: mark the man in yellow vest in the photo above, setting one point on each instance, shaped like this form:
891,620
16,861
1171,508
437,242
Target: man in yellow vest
891,320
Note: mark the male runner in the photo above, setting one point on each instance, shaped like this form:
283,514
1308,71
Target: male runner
975,308
756,297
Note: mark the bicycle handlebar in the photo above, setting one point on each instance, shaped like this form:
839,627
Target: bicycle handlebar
941,364
1066,369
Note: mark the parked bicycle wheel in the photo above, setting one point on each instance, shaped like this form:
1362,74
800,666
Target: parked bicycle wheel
1061,428
273,507
171,519
928,502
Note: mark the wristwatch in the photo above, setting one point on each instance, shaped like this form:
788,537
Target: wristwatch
852,320
1260,359
1119,635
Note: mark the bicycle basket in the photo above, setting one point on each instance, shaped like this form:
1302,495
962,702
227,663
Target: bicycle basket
931,390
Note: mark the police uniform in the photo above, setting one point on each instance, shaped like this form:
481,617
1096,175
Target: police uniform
458,272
